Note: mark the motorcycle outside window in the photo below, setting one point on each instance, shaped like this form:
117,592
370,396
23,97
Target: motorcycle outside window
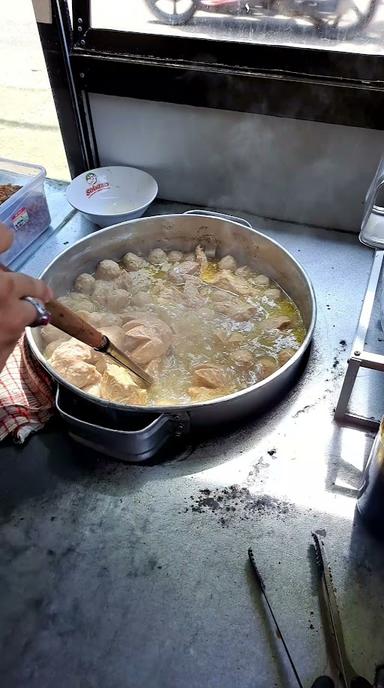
356,26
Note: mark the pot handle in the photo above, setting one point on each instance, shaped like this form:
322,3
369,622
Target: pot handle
136,445
222,216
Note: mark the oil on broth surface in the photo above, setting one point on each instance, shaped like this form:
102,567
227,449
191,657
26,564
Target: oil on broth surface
218,327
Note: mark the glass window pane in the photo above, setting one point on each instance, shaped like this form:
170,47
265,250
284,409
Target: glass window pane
347,25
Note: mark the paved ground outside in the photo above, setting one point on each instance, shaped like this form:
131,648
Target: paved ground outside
29,129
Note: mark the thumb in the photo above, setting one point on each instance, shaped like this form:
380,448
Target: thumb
6,238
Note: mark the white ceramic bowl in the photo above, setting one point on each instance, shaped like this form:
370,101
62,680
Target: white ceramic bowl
109,195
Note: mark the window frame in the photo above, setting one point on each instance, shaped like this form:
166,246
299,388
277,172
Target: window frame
335,87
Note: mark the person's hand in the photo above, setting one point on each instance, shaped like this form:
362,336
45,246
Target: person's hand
15,314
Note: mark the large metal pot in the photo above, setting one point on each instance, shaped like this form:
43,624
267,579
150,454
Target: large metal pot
133,432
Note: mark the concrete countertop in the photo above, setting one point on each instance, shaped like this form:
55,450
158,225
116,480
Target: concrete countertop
118,576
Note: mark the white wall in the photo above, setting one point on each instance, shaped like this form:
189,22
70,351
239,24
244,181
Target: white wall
280,168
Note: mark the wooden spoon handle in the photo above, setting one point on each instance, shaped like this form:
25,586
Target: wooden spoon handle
68,321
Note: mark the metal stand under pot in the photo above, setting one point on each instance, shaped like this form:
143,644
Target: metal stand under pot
372,235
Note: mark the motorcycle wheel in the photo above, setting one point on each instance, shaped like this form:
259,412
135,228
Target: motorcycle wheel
162,10
333,27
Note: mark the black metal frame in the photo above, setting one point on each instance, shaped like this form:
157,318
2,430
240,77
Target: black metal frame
303,83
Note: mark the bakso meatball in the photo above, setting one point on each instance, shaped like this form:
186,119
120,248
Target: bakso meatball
285,355
77,302
84,283
157,256
140,281
228,263
73,360
242,358
117,300
141,299
261,281
117,336
94,390
133,262
209,375
244,271
52,346
101,291
179,273
278,322
124,281
100,320
107,270
175,256
273,294
118,385
266,365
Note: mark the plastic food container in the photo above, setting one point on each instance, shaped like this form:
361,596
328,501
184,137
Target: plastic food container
25,212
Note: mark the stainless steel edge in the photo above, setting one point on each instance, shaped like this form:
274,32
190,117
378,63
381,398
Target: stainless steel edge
221,216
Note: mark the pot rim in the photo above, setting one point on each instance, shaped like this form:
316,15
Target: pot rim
191,406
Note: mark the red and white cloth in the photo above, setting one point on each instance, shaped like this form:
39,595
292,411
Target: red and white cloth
26,395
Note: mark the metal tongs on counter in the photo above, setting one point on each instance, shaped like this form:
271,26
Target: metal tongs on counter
347,676
69,322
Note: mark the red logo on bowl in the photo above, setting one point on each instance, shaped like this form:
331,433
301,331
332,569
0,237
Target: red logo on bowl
95,186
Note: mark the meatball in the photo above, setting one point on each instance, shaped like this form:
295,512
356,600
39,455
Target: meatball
233,283
261,281
100,320
73,360
285,355
51,347
124,281
141,299
141,281
157,256
278,322
209,375
273,294
244,271
107,270
242,358
117,336
133,262
77,304
118,385
175,256
266,365
199,394
179,273
94,390
228,263
84,283
117,300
